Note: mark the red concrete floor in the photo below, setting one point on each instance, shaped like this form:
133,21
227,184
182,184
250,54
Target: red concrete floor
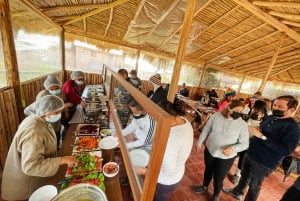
272,189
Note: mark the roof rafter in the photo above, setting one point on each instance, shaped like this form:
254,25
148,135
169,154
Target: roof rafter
110,20
277,4
95,11
74,7
242,46
268,19
285,15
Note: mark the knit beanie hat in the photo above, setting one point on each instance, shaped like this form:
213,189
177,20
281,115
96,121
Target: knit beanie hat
51,80
155,79
229,92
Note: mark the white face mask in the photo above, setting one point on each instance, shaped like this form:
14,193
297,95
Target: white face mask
53,118
79,82
55,92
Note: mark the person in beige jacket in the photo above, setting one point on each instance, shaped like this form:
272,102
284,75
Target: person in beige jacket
32,153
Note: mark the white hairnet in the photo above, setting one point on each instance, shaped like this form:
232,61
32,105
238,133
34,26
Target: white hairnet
45,105
51,80
77,74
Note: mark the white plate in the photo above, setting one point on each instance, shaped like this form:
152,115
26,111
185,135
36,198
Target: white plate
44,193
108,142
139,157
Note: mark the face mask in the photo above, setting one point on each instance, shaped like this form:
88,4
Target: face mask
254,116
55,92
53,118
235,115
278,113
139,116
79,82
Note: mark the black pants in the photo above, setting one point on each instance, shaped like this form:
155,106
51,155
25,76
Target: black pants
253,174
217,169
241,157
291,194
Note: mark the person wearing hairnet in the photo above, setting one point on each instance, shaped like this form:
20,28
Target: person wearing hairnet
53,87
73,89
32,153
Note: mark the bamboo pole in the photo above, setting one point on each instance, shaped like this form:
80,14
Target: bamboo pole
202,74
10,56
138,53
187,22
63,55
275,55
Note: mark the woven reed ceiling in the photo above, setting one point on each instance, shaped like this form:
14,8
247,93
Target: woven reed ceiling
241,36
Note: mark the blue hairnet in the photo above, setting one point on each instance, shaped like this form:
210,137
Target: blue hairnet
51,80
45,105
77,74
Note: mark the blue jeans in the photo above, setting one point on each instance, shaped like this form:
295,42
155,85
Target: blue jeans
253,174
163,192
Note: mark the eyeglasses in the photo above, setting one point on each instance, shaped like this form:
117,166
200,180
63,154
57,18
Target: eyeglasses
80,79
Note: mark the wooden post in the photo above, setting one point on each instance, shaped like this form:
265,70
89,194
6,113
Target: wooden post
275,55
187,22
63,55
138,53
10,56
241,83
202,74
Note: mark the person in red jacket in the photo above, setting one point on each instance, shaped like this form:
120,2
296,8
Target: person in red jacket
73,89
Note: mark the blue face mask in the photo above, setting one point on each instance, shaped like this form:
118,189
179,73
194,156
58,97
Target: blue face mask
55,92
79,82
53,118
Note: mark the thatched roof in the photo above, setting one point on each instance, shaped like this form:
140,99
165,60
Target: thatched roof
243,36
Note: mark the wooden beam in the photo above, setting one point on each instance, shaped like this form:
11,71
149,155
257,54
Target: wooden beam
84,24
74,7
138,54
276,52
202,74
10,55
109,21
295,24
80,32
277,4
268,19
256,58
290,76
241,83
96,11
284,15
63,56
293,66
138,11
180,27
187,23
245,45
30,6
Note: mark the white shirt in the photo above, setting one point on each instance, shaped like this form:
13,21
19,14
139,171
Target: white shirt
178,150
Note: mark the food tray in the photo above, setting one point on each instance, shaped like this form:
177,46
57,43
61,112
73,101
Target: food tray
87,163
86,143
95,178
87,129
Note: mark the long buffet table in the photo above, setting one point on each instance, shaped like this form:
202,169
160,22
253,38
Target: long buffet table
112,185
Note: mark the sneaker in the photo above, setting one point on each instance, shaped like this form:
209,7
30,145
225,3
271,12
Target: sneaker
230,191
235,179
199,189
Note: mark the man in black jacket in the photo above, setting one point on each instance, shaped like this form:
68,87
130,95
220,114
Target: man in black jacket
276,138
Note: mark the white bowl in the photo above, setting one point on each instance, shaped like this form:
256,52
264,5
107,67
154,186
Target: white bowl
105,132
44,193
111,169
81,192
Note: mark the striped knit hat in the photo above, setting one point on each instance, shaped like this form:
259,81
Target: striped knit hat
155,79
229,92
